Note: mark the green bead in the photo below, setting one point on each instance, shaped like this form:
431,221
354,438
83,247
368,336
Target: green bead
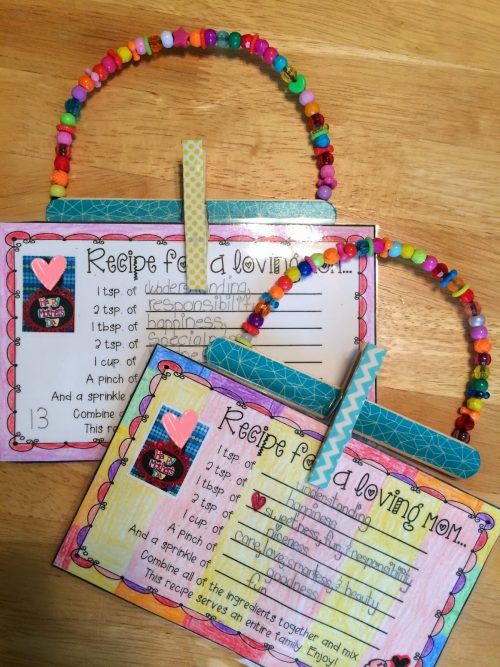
235,40
480,385
298,85
147,45
318,259
419,256
57,191
68,119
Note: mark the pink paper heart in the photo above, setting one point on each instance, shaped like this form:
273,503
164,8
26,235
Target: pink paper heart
48,273
180,428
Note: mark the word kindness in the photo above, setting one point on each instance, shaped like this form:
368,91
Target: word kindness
100,260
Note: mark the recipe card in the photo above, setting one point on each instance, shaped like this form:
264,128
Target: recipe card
83,306
201,512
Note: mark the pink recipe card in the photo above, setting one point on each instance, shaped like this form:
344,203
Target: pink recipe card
201,513
83,306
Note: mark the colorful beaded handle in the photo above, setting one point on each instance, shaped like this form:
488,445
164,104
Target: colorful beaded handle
151,46
141,47
477,389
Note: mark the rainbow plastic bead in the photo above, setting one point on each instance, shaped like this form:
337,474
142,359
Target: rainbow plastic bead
419,256
279,63
396,249
57,191
167,39
293,273
407,251
125,53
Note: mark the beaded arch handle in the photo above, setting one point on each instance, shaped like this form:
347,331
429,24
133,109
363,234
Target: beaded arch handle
145,47
477,387
141,47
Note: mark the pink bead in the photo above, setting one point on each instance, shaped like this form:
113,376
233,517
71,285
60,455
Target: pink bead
79,93
306,97
94,76
109,64
327,171
64,138
269,55
378,245
261,46
340,250
334,184
476,333
140,45
429,264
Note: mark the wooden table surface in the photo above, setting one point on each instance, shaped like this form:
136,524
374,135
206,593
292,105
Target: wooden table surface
411,90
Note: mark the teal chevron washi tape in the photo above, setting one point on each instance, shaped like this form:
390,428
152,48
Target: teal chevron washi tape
348,411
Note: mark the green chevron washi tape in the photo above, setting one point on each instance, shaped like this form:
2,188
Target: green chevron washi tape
346,416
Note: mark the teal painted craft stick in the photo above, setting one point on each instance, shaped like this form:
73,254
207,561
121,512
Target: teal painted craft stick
347,413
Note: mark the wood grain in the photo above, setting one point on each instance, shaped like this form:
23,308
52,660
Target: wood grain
411,90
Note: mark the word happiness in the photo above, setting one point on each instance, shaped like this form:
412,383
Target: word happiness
300,452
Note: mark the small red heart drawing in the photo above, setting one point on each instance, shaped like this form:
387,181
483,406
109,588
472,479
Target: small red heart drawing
180,428
48,273
258,501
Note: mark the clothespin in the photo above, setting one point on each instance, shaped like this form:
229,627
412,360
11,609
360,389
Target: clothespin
347,412
195,214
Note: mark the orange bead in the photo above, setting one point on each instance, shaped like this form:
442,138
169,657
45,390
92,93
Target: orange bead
483,345
195,38
311,108
60,177
331,256
276,292
467,411
86,82
262,308
387,247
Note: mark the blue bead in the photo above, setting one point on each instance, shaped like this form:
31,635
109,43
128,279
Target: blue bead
304,268
363,247
267,297
73,106
222,39
395,251
322,141
449,276
279,63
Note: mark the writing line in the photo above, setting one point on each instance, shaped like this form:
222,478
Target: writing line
301,613
218,310
369,525
207,294
336,530
329,567
379,611
228,328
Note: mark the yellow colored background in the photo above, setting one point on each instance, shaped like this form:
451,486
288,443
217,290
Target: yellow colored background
410,89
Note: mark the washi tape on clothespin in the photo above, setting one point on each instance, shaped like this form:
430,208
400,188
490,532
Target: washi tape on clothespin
340,430
195,215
